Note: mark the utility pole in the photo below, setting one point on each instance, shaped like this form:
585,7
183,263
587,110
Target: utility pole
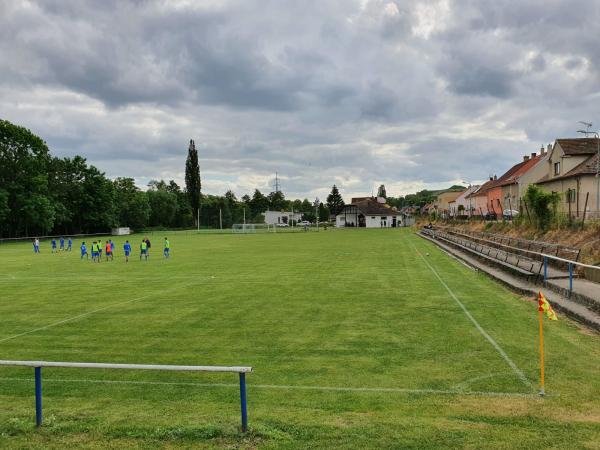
317,203
220,219
597,136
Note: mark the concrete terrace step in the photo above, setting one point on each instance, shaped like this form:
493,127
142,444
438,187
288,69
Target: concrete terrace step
555,269
563,304
521,246
517,264
584,292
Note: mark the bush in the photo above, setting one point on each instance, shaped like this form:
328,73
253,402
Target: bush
542,206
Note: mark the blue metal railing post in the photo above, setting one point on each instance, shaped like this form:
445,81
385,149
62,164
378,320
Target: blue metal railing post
570,278
38,396
243,402
545,269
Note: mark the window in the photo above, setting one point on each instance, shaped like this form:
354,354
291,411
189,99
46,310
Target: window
372,217
571,196
557,168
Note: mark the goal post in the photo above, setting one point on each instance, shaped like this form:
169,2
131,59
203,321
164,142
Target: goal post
243,228
252,228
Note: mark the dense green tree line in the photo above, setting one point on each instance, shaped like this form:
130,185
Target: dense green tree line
41,194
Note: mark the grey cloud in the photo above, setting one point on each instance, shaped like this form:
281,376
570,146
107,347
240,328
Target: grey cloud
320,91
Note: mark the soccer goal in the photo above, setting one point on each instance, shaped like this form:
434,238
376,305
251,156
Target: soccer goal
252,228
243,228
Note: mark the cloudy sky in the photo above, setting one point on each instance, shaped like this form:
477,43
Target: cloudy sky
357,93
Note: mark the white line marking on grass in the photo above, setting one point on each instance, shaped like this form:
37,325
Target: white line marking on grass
289,387
484,333
466,383
79,316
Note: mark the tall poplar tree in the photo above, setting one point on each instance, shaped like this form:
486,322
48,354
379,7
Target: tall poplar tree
192,178
335,203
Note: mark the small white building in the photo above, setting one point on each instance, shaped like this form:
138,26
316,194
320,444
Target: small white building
278,217
369,212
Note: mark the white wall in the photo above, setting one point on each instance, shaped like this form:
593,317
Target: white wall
375,221
275,217
370,221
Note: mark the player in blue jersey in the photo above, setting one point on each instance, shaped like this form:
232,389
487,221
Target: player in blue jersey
69,244
84,251
127,250
53,243
62,244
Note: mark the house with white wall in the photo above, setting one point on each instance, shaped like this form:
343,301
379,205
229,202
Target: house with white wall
280,217
369,212
571,169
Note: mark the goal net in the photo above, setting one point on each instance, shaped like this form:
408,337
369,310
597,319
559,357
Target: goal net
251,228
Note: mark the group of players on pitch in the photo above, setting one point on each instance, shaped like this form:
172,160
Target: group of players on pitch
109,249
97,248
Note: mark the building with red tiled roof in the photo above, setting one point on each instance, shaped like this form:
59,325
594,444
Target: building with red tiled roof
479,198
502,193
510,195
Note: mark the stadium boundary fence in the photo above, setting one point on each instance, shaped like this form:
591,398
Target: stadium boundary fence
31,238
37,366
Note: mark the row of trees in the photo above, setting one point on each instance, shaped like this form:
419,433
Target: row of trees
41,194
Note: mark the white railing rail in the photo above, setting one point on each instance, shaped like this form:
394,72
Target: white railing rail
127,366
37,365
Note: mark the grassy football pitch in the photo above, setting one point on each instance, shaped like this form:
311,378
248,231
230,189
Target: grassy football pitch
358,339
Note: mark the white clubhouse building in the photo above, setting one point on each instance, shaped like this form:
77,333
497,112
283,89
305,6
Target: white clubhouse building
369,212
279,217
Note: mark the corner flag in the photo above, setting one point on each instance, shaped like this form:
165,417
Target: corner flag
544,306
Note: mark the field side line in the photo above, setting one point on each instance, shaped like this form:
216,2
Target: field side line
484,333
466,383
79,316
288,387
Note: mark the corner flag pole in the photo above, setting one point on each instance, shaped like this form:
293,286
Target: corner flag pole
541,352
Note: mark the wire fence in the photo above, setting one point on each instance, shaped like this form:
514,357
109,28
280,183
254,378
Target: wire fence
50,236
177,231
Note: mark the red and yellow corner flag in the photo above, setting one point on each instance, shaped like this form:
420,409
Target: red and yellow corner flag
544,306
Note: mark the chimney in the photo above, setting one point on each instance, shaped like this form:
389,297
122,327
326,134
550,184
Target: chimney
491,178
549,147
542,150
533,155
495,177
525,158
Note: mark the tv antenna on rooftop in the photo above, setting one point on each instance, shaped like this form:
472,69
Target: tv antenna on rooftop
587,125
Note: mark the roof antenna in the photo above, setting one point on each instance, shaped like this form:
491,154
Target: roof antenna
587,125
